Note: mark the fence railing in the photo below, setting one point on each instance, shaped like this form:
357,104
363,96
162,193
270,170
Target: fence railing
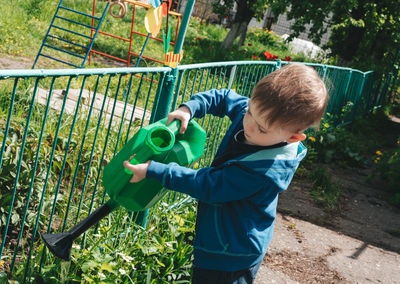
59,128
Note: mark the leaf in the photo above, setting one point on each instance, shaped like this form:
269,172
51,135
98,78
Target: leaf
106,266
89,265
180,220
329,155
150,250
3,277
15,218
159,262
148,277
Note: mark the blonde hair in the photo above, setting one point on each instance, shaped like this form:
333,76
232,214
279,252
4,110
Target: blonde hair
293,96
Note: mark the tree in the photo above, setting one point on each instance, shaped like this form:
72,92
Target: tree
365,34
245,11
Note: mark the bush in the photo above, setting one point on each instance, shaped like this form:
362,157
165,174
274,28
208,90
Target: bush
388,167
266,38
335,145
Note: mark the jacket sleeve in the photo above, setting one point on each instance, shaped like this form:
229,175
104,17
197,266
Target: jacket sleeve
217,102
211,185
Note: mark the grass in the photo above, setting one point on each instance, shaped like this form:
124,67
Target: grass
325,192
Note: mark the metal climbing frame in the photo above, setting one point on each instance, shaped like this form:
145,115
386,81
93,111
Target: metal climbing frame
133,32
66,34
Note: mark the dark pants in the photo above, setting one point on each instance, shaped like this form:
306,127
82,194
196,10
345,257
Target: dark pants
208,276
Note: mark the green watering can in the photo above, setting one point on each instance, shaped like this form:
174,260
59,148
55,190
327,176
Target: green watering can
156,142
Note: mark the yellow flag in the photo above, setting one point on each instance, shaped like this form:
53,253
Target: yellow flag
153,20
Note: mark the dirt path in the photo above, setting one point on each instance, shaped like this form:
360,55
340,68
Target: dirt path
13,62
302,252
361,245
18,62
358,246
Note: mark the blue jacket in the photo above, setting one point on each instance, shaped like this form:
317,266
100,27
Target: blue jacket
237,199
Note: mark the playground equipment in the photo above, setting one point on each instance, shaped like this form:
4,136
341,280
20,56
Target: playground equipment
153,36
155,141
59,32
66,37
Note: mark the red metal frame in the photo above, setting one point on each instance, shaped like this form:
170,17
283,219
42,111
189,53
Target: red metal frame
132,32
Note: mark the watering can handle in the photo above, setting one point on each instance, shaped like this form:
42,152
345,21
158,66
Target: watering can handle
174,126
149,147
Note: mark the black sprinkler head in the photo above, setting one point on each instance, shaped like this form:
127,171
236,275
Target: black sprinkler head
59,244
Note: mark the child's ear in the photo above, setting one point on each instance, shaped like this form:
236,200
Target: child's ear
296,137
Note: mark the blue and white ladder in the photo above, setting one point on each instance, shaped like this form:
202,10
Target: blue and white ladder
69,38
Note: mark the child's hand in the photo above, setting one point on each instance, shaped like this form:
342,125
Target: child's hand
183,114
139,171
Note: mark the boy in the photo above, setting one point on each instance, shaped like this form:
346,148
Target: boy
256,160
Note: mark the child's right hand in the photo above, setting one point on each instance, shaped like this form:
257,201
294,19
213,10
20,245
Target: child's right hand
183,114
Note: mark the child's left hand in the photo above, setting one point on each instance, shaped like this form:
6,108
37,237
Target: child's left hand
139,171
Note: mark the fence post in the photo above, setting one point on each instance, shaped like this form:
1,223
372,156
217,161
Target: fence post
162,102
395,71
358,97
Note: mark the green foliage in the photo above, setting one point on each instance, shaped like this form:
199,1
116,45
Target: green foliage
355,145
161,253
347,145
8,173
203,44
338,145
388,167
164,254
336,141
23,26
257,8
34,7
324,191
266,38
364,34
223,8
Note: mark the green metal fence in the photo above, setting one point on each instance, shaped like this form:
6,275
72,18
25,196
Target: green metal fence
59,128
390,82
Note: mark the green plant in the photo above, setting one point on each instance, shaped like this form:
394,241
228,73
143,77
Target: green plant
128,253
34,7
324,191
3,278
388,167
8,173
346,144
338,145
267,38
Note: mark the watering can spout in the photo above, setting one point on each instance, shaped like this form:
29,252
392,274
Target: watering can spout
60,244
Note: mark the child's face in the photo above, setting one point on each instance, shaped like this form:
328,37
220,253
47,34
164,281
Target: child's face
257,130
